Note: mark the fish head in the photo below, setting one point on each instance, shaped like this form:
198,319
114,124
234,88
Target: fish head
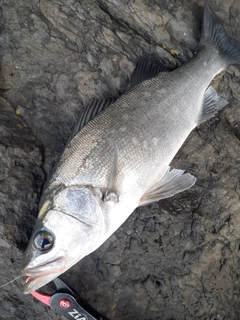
69,225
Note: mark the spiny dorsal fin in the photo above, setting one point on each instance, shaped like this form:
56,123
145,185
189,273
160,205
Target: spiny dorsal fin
212,103
172,182
147,67
90,112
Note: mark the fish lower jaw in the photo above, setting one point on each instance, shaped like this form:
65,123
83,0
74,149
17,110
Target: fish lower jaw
34,283
42,274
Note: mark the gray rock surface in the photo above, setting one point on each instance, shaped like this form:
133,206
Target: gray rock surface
176,259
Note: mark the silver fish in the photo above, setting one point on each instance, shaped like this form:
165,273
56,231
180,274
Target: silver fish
120,159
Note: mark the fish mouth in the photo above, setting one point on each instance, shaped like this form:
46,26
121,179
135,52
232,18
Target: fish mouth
42,274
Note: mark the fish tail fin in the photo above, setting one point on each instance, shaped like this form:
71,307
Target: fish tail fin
213,32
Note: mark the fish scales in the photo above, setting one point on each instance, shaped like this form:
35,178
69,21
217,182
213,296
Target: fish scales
120,159
88,159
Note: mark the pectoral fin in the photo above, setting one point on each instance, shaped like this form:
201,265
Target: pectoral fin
172,182
110,192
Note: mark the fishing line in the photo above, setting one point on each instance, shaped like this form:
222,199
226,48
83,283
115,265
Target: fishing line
10,282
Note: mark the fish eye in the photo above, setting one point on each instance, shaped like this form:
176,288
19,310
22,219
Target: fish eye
43,241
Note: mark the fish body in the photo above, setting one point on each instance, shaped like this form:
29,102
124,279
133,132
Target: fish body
148,126
120,159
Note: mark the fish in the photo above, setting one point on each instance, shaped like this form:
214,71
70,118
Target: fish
119,155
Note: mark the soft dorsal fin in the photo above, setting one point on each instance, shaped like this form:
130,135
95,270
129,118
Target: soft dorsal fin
147,67
212,103
172,182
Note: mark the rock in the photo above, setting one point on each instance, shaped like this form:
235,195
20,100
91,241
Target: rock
176,259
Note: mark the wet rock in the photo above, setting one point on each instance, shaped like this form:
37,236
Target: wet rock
176,259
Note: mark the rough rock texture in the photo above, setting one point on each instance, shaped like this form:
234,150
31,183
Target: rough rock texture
176,259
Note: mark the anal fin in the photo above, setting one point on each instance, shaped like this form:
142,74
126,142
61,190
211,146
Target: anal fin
212,103
171,183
